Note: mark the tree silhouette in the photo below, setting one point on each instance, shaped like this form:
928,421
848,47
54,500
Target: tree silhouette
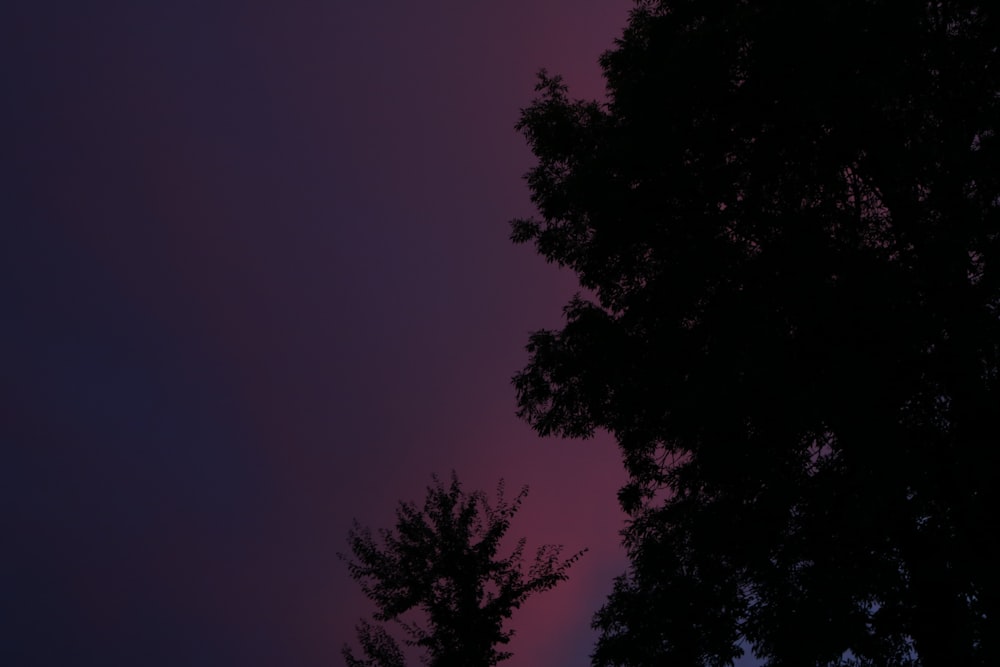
788,214
442,562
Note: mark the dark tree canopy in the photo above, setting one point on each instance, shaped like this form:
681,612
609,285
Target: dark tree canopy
789,215
442,561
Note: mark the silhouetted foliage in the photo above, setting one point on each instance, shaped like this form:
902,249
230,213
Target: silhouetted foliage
442,562
788,215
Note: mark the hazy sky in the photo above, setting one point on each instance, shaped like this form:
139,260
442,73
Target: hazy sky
256,281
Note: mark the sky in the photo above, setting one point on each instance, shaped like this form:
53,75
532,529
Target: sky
256,282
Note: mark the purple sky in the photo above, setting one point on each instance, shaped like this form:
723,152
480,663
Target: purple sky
256,282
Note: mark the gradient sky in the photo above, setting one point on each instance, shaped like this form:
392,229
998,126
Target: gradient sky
256,281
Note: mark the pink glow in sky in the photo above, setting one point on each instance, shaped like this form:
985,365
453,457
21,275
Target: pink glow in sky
257,282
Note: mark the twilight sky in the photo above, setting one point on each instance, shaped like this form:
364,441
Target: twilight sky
255,282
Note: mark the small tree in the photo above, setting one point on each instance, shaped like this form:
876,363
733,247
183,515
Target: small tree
441,561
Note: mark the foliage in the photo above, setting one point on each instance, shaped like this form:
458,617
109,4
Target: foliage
442,561
789,215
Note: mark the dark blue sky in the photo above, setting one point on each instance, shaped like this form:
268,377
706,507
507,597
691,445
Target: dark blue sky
256,282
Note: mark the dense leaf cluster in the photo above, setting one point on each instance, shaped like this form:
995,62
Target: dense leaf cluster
441,561
789,215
